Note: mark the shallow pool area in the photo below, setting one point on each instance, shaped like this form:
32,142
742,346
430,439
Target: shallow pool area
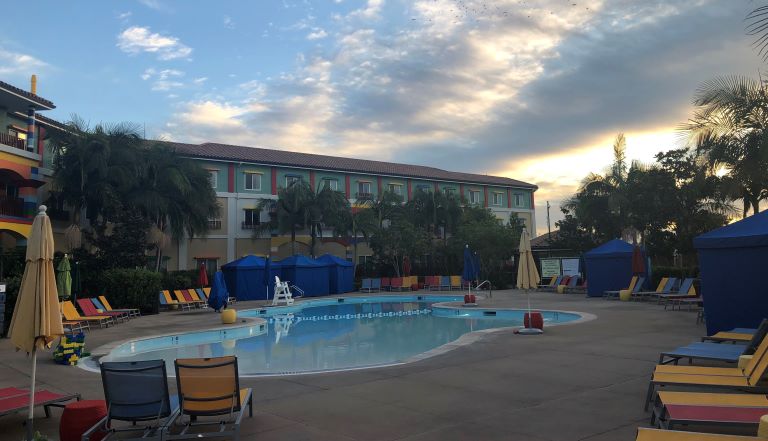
333,334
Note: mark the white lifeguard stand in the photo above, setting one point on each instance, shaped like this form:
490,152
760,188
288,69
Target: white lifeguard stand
282,293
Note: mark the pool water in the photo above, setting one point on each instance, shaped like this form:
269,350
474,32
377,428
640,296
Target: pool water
327,335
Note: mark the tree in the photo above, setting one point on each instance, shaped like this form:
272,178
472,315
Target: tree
730,129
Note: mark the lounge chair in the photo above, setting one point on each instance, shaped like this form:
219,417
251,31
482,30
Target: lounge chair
552,282
210,388
644,434
668,398
578,288
182,300
207,291
376,285
631,288
191,298
136,393
73,327
202,302
14,400
71,315
133,312
201,294
735,335
707,350
750,380
166,301
445,283
88,309
366,285
664,287
386,284
722,416
455,283
686,289
553,286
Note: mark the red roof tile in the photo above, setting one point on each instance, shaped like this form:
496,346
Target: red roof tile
31,96
308,160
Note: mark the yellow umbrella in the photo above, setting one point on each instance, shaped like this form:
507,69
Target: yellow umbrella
36,318
527,274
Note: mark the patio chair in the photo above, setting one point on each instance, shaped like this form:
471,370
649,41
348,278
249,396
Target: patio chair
665,286
612,294
136,393
386,284
202,302
707,350
200,293
166,301
669,398
456,283
14,400
376,285
445,283
366,285
192,299
211,397
71,315
749,381
686,289
551,282
86,305
133,312
644,434
181,300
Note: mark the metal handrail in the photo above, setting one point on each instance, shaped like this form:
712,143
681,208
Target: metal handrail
483,283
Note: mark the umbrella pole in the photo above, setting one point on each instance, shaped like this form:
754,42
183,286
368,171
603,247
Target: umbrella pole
528,296
31,415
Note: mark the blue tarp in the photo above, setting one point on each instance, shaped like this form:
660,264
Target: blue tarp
245,278
217,299
732,260
341,274
609,267
308,274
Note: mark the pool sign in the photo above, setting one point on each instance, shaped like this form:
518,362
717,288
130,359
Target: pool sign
550,267
570,267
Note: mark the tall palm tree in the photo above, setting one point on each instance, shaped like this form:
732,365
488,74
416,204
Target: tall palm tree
730,129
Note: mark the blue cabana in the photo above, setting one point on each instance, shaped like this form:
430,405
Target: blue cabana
732,260
341,274
609,267
309,275
245,278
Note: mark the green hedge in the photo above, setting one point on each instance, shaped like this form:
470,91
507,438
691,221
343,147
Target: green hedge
180,280
132,288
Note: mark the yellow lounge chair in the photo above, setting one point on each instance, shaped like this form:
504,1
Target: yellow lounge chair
196,297
132,312
644,434
726,336
659,289
455,283
70,314
632,283
752,383
181,300
759,354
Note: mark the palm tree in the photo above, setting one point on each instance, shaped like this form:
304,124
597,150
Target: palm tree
757,26
730,129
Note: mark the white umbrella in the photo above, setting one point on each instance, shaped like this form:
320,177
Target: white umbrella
527,276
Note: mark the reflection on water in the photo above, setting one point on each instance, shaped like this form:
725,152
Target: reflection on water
328,337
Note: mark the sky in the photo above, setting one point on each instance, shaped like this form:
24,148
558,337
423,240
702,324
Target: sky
532,90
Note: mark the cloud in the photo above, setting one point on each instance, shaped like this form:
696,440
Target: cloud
155,5
165,79
200,81
137,39
228,23
17,63
124,15
317,34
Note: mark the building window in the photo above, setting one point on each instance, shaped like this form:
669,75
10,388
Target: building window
423,187
363,260
214,224
213,176
252,181
497,198
291,179
474,196
18,134
396,189
332,184
364,190
252,218
449,191
518,200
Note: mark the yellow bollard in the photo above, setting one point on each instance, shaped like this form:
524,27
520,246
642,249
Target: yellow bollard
625,295
762,429
561,289
228,316
744,361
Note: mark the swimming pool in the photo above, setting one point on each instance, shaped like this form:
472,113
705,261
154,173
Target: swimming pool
333,334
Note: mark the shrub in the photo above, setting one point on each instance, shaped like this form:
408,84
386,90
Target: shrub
671,271
132,288
12,286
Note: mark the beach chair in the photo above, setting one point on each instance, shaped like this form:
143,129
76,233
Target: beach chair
14,400
166,301
445,283
70,314
686,290
396,284
72,327
376,285
552,286
735,335
202,302
715,350
578,288
750,380
612,294
664,287
138,404
456,283
86,305
181,300
386,284
100,308
203,296
710,415
207,291
133,312
644,434
366,285
551,282
191,297
668,398
211,398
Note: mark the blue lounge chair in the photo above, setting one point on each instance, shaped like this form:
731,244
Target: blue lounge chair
367,286
682,292
445,283
715,351
136,393
375,285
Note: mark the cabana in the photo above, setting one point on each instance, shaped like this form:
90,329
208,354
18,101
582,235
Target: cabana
341,273
732,260
245,278
309,275
609,267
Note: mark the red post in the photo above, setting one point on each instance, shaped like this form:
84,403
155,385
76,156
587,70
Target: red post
312,179
274,180
532,201
509,198
461,192
437,189
378,185
231,179
485,194
346,185
409,189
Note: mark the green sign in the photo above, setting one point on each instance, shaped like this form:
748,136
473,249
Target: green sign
550,267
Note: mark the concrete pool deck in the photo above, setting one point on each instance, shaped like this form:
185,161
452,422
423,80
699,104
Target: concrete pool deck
585,381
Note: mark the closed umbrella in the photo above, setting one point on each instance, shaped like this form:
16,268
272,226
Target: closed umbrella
527,276
36,318
406,266
64,278
202,277
267,274
638,262
219,295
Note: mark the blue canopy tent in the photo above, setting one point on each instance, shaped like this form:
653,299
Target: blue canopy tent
732,260
309,275
219,294
609,267
245,278
341,274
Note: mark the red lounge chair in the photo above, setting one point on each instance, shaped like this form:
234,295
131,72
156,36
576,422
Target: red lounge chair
711,415
7,392
191,300
88,309
19,403
386,284
396,284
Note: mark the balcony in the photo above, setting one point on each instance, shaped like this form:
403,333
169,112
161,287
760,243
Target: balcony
214,224
11,207
250,225
13,141
364,196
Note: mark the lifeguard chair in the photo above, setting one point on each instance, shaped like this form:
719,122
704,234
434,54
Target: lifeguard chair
282,293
